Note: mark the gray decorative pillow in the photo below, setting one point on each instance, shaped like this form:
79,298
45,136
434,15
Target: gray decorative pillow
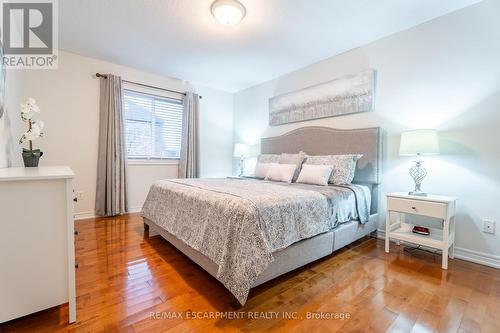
296,159
268,158
344,166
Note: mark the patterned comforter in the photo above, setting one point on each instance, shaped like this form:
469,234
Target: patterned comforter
238,224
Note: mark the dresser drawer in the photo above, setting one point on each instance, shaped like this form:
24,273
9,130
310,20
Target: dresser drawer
426,208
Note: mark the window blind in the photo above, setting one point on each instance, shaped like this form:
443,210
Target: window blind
153,126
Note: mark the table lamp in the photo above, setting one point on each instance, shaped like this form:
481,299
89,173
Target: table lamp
419,142
241,150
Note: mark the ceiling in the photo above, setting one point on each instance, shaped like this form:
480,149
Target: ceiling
180,38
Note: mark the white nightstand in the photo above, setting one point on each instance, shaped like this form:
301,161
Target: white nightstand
435,206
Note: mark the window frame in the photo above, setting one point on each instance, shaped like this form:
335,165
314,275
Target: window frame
158,93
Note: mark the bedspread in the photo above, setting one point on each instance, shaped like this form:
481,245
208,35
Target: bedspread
238,224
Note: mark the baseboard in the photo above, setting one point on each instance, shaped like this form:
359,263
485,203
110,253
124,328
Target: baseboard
84,215
380,234
477,257
136,209
92,214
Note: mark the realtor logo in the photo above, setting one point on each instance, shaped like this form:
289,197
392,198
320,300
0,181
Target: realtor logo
29,34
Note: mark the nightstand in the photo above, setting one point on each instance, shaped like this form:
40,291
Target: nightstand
435,206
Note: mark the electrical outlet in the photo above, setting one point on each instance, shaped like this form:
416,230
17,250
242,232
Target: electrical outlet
489,226
79,195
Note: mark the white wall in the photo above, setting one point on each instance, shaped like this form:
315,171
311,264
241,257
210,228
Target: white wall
69,100
444,74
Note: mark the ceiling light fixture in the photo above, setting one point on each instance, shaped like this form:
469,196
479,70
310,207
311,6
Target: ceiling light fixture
228,12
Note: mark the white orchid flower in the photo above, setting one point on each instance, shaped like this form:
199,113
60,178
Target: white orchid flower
26,113
27,136
32,134
35,108
41,124
35,131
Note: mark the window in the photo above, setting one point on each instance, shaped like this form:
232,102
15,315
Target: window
153,126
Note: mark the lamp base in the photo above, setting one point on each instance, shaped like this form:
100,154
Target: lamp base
418,174
241,166
417,194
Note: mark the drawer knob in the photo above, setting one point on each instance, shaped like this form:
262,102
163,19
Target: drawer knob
414,208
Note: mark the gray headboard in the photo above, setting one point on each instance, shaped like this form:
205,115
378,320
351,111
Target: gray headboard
315,140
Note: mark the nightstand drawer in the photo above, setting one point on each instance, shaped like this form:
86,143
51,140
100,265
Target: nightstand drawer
426,208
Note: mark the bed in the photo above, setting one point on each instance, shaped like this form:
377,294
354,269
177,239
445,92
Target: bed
245,232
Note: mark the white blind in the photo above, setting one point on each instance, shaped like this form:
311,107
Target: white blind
153,125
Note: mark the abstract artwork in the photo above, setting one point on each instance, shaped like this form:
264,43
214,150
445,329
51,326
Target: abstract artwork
345,95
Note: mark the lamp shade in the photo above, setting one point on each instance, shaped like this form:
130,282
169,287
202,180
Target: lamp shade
253,150
423,142
241,149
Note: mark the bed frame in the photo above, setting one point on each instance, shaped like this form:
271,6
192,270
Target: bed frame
314,141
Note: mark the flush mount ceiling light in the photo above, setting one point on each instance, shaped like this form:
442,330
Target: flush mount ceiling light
228,12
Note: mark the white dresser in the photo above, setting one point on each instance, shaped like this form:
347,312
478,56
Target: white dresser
37,251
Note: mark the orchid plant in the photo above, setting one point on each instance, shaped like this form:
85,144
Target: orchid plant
35,127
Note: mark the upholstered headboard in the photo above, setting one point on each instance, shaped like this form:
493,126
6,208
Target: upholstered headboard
317,140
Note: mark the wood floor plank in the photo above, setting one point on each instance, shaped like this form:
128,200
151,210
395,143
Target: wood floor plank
426,322
452,316
410,311
126,280
474,312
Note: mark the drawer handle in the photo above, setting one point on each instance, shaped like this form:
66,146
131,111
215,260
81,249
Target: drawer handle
414,208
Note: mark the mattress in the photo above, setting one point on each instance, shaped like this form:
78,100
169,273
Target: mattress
239,224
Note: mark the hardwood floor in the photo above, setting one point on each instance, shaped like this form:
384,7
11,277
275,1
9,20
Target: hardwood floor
123,278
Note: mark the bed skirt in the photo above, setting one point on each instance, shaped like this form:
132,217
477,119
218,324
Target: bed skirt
288,259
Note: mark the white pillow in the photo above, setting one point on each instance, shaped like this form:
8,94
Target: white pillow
315,174
261,169
296,159
281,172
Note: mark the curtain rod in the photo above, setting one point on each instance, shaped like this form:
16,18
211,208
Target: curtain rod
144,85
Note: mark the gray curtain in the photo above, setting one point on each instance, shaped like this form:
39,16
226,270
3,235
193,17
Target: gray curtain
111,196
189,161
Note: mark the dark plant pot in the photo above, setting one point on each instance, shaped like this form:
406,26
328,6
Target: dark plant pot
31,157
